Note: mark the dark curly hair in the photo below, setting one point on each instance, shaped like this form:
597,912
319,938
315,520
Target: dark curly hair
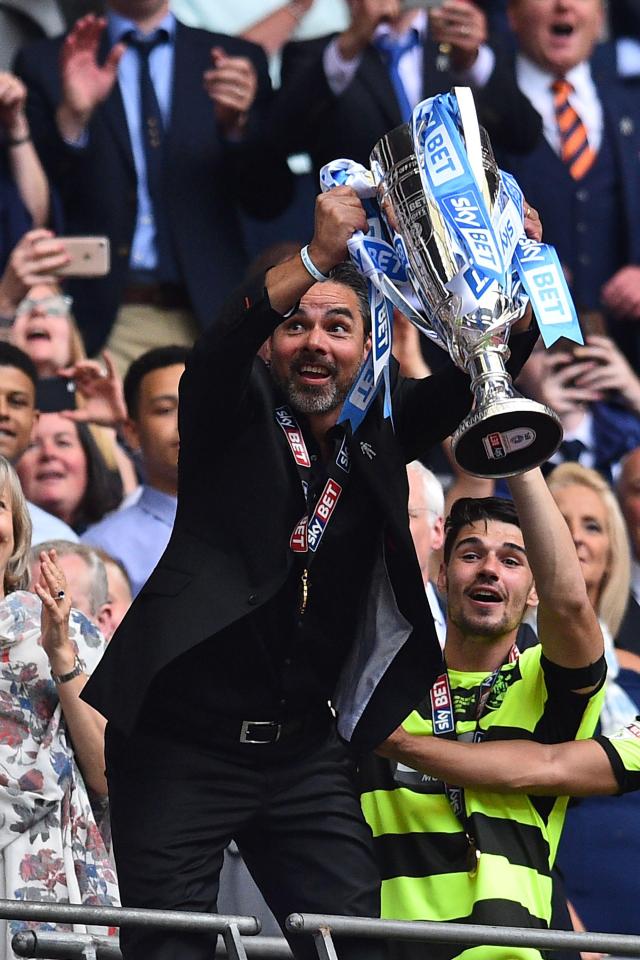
469,510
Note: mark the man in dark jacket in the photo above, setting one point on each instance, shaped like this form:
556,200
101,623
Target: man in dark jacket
290,580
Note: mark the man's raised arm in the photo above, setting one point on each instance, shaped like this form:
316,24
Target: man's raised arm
567,624
339,213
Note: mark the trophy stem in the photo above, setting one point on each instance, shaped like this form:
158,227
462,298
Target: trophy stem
505,433
490,381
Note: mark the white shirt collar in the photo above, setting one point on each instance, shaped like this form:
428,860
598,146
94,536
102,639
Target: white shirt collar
583,432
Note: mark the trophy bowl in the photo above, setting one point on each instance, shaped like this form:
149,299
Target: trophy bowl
505,433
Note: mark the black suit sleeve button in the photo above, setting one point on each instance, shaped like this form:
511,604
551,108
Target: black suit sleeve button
252,599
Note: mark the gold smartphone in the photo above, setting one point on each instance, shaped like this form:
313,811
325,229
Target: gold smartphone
90,257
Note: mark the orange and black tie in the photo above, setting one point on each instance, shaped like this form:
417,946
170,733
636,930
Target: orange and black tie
574,146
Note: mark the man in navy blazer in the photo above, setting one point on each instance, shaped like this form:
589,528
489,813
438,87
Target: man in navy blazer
592,221
290,580
213,93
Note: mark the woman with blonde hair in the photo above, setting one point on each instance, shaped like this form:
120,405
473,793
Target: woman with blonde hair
45,329
600,847
609,593
51,743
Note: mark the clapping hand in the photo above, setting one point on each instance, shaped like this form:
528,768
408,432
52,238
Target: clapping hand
85,82
101,391
232,84
463,26
54,618
13,96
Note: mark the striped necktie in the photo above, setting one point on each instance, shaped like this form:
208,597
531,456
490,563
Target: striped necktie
574,146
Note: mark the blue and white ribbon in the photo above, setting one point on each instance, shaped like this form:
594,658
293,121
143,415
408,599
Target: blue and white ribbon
542,277
447,176
530,270
379,262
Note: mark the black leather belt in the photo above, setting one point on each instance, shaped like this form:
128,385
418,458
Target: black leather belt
270,731
166,296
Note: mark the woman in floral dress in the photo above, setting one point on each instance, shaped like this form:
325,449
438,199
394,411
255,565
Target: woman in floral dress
51,743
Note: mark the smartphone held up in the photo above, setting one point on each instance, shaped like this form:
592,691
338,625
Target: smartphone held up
89,257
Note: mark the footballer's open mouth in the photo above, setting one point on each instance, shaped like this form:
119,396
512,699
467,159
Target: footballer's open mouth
485,595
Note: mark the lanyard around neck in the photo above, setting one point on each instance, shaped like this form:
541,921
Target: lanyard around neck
444,725
310,529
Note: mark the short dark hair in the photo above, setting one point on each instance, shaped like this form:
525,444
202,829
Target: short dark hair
346,274
11,356
154,359
468,510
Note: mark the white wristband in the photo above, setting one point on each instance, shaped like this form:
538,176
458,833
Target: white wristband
310,266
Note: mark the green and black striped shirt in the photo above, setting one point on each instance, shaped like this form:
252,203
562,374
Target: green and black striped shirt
420,844
623,750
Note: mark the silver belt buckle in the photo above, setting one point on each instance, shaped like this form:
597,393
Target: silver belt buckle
245,731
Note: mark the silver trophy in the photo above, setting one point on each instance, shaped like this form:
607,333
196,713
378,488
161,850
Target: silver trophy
505,433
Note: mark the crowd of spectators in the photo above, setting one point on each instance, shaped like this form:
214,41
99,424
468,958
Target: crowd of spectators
157,125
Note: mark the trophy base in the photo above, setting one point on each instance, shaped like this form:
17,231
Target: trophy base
509,437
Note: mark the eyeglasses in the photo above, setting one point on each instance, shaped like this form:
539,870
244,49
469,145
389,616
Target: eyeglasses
58,305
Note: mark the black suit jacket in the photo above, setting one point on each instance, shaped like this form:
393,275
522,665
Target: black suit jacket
311,118
239,499
206,178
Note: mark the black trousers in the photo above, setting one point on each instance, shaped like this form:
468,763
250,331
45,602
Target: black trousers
292,809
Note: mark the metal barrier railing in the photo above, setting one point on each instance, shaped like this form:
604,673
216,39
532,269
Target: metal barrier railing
69,946
230,928
322,927
65,946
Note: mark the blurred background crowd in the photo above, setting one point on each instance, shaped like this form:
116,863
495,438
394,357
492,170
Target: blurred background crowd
191,134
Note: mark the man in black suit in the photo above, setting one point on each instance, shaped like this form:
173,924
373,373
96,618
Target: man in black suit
290,580
155,134
341,93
